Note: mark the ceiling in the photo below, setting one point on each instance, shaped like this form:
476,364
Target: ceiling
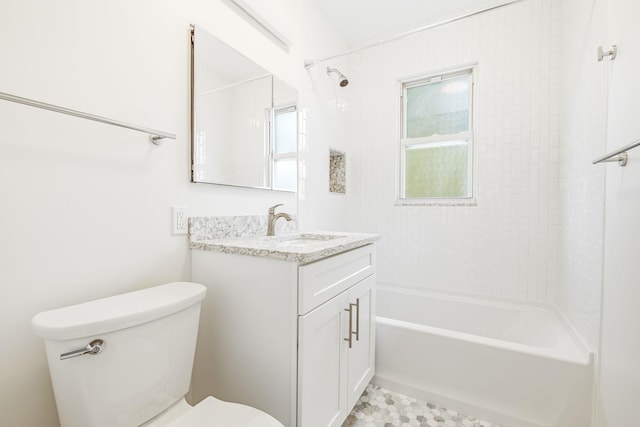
361,22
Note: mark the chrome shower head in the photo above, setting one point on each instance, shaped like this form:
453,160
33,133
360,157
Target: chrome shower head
342,79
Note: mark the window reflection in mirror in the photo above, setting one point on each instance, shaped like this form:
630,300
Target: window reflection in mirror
244,121
285,131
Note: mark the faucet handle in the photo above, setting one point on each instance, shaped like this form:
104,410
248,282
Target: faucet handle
272,209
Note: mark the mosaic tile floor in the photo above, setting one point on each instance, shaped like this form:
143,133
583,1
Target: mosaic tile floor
379,407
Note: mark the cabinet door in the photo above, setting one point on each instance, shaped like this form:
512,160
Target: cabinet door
361,355
322,364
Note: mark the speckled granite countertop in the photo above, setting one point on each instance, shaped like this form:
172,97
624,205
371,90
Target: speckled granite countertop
302,248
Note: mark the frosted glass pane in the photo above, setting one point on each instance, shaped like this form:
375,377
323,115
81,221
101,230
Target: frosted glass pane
284,174
437,171
285,132
440,108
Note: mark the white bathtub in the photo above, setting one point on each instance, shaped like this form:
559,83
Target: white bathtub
513,364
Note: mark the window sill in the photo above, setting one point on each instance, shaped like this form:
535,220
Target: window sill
436,202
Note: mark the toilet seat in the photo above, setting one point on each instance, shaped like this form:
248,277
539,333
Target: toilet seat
212,412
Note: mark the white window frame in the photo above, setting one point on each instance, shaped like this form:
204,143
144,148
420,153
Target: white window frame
438,140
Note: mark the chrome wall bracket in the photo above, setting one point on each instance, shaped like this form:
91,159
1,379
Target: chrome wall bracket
621,159
619,155
611,53
156,139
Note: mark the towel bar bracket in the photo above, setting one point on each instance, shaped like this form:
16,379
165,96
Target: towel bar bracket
619,155
622,159
156,140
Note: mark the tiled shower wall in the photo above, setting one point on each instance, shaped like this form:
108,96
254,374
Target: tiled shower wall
323,127
507,244
584,94
583,138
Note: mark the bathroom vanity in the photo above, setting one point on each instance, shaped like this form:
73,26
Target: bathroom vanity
288,323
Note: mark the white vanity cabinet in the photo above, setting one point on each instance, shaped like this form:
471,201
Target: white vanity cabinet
297,341
333,372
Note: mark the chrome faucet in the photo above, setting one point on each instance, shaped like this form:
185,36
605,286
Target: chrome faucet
273,217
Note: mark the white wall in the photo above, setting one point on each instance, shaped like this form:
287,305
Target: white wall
86,206
507,244
620,336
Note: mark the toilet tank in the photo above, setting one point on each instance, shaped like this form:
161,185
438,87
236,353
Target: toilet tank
145,366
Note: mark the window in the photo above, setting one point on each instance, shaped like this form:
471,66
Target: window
436,146
285,148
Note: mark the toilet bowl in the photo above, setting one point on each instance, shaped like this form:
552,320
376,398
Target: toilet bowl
212,412
126,361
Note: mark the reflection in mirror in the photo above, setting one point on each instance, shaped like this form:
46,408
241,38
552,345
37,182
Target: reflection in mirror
244,121
285,137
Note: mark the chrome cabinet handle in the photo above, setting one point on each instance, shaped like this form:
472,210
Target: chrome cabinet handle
357,304
350,339
357,331
93,348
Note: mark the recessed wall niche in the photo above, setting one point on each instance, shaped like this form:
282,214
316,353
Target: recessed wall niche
337,172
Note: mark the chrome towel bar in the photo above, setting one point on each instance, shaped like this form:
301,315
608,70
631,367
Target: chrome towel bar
619,155
154,135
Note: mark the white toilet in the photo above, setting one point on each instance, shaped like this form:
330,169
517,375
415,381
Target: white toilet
126,361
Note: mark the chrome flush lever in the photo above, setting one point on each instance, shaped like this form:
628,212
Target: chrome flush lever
93,348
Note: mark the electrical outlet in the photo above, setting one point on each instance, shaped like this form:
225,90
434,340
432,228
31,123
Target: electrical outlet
180,220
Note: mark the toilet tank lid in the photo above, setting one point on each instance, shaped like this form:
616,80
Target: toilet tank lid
117,312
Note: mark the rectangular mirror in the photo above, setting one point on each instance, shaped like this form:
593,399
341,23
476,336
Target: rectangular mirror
244,120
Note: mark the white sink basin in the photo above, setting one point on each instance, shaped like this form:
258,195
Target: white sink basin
308,238
300,241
